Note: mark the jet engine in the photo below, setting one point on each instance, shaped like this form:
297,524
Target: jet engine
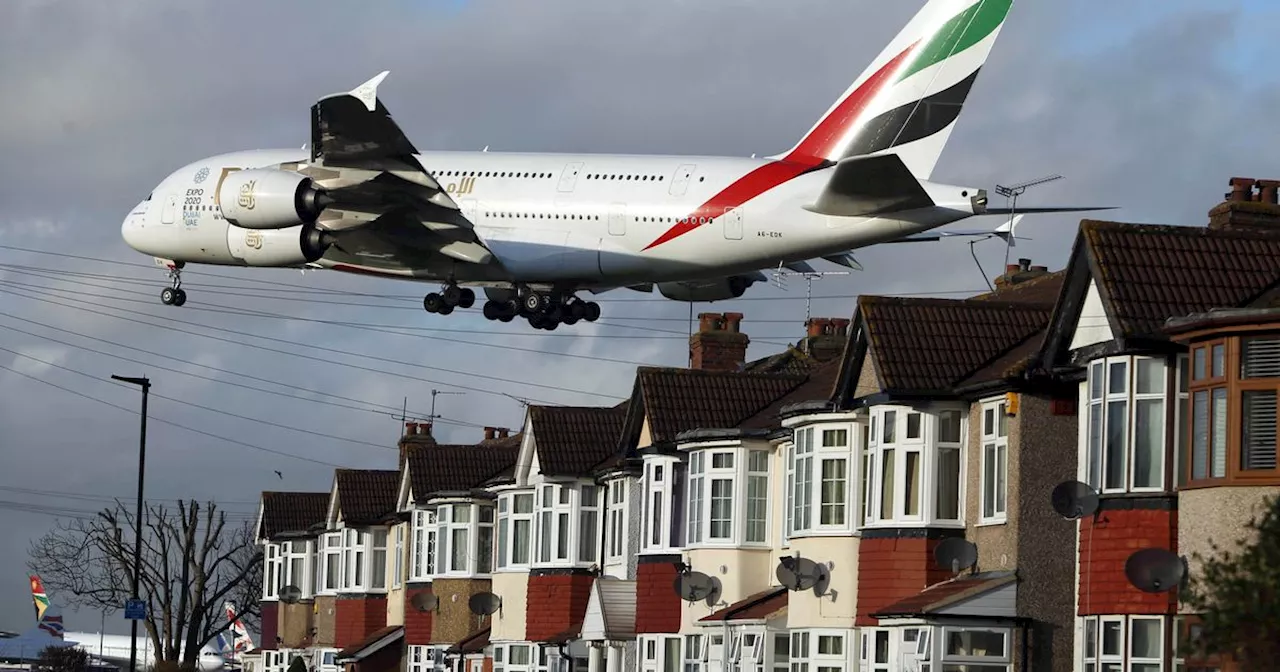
718,289
265,198
294,246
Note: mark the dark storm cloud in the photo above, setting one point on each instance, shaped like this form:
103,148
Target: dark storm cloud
1138,104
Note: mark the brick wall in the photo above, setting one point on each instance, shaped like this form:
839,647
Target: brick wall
357,618
657,604
270,624
557,602
417,624
892,565
1106,544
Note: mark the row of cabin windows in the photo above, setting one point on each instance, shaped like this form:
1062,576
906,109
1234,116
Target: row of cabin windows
593,218
543,176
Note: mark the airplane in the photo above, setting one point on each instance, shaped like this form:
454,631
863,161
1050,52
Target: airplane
533,230
113,649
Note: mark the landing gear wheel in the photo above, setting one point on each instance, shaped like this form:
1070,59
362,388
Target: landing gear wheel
533,302
168,296
451,294
592,311
181,297
445,309
433,302
492,310
466,298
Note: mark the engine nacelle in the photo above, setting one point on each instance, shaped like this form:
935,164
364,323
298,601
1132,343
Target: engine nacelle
294,246
718,289
265,198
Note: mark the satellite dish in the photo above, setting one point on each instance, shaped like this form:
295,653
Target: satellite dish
483,604
424,601
714,597
696,586
290,594
1073,499
797,573
1155,570
955,554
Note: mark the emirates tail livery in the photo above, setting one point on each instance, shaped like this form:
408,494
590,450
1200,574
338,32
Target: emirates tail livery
534,229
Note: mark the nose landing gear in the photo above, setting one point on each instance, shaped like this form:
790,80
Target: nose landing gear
174,295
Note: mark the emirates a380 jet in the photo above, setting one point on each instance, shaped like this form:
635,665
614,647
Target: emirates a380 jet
534,230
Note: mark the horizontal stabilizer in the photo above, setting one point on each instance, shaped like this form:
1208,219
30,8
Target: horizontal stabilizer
801,267
844,259
869,185
1033,211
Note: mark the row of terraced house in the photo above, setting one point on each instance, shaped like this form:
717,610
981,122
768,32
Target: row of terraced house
662,534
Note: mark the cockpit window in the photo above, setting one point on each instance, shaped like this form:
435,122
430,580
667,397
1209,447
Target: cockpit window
148,197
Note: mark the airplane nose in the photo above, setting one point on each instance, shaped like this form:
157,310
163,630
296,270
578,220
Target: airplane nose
131,228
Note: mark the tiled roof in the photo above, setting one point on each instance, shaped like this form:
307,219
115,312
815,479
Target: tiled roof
761,605
371,644
929,345
473,643
573,439
292,511
1043,290
790,361
366,496
458,468
1147,274
946,593
677,400
1009,365
819,387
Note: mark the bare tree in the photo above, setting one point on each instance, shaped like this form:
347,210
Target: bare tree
192,562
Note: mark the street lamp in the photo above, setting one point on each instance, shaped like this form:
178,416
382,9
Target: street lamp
145,384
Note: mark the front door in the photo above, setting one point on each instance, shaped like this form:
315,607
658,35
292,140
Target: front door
618,219
680,181
732,224
569,178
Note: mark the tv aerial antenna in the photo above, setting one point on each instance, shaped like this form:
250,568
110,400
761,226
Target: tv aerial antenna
801,270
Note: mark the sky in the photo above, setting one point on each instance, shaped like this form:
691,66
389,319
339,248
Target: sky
1148,105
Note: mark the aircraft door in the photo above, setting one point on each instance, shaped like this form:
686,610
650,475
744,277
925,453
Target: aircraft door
618,219
170,211
569,178
732,223
680,181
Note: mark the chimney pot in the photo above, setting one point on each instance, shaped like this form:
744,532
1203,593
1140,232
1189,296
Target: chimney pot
1268,189
816,325
709,321
488,433
841,326
733,322
425,428
1024,264
1241,189
1012,268
410,428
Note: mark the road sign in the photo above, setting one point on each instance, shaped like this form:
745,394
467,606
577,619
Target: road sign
135,610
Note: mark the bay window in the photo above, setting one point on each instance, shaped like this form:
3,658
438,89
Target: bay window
296,571
1127,416
397,565
515,529
354,578
662,523
616,544
819,473
331,563
567,520
728,494
995,462
588,525
378,560
273,571
1124,644
911,465
464,539
422,556
1234,409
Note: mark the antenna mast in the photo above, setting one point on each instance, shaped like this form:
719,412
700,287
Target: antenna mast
779,279
1014,192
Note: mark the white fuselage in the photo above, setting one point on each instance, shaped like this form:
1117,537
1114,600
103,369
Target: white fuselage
587,221
115,649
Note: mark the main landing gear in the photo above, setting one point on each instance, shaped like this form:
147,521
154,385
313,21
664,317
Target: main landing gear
452,296
544,311
174,294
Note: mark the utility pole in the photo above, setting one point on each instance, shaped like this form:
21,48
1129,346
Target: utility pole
145,384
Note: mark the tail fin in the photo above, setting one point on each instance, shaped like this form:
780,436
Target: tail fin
38,597
48,616
907,101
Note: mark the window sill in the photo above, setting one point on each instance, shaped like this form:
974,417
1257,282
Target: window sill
994,522
704,546
898,524
822,534
522,569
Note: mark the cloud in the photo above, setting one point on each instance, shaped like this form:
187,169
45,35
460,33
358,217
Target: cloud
1142,105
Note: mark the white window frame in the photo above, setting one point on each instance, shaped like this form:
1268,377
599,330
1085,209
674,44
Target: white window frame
617,492
994,447
756,509
658,487
558,518
397,563
323,655
329,546
1100,394
653,649
302,550
694,653
806,458
378,538
273,571
945,659
478,518
508,516
589,498
1094,659
422,553
906,434
358,557
1181,420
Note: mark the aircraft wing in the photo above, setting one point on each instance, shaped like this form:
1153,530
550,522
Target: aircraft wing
381,190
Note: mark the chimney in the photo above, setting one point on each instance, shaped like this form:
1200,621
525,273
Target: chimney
824,338
1245,208
1019,272
415,433
719,344
489,433
503,432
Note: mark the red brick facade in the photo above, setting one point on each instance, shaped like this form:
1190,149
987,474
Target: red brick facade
270,624
417,624
1104,548
657,604
557,603
893,568
358,618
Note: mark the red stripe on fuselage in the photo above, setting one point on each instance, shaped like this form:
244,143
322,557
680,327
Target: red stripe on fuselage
811,152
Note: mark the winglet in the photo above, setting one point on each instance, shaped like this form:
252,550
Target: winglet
367,93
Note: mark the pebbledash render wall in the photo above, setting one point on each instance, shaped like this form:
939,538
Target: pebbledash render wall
1124,525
